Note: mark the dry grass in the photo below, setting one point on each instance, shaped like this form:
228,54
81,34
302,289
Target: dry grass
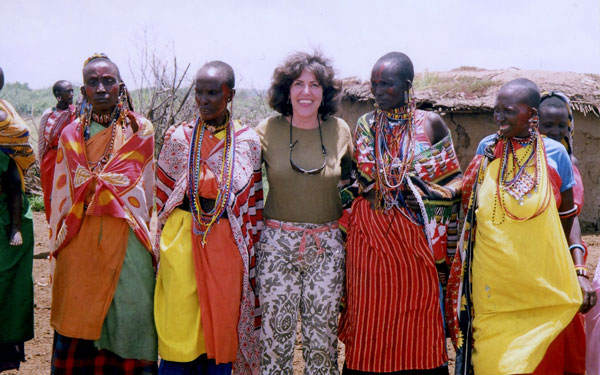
466,68
594,76
457,85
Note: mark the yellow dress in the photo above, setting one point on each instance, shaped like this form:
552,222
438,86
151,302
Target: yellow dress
176,306
525,290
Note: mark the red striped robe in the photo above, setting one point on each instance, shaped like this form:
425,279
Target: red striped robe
393,320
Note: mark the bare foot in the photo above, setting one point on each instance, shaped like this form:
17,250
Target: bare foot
15,238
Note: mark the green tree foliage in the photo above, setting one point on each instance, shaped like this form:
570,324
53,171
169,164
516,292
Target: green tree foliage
29,102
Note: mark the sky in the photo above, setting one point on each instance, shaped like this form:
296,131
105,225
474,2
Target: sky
43,41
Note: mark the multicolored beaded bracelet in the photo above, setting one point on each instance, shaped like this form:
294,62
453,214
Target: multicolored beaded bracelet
581,271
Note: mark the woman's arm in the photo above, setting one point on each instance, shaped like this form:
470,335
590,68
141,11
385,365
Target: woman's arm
570,224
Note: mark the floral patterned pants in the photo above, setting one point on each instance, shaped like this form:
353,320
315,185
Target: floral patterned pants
300,267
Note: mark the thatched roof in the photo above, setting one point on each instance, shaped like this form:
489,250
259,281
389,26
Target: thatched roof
469,89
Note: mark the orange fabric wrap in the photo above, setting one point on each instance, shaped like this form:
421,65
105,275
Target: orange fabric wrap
95,147
86,277
209,187
88,267
219,271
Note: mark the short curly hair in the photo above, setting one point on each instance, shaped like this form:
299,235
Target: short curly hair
285,74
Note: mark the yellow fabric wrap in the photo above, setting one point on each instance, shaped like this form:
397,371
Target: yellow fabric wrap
14,136
176,305
525,291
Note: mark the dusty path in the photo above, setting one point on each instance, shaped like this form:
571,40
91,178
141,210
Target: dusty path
38,350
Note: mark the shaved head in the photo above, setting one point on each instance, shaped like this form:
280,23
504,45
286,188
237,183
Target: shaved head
399,63
221,69
59,86
525,90
93,61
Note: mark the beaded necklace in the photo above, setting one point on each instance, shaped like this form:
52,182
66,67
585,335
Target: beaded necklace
394,153
522,183
101,119
204,220
217,128
118,118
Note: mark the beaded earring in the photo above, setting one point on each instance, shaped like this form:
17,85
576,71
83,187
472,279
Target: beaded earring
534,121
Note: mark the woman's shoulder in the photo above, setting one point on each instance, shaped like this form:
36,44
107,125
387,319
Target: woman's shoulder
365,122
340,125
269,123
179,133
338,121
556,151
367,117
486,141
245,132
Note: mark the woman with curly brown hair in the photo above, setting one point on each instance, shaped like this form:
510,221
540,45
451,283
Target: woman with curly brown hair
301,259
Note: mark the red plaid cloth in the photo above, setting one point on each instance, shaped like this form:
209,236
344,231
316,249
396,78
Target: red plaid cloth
78,356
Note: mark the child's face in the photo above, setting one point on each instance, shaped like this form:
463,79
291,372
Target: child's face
512,114
554,122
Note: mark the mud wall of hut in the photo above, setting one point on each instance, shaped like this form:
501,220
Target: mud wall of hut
469,128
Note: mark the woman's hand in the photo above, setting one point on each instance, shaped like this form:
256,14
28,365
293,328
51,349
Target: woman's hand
589,294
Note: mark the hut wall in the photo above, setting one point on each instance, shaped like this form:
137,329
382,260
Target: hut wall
351,111
587,150
469,128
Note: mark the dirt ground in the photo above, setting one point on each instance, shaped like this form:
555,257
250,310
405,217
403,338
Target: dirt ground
38,350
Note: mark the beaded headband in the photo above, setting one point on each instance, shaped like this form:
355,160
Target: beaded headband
568,140
94,57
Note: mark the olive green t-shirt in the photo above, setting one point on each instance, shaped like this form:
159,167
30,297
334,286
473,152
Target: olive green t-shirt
297,197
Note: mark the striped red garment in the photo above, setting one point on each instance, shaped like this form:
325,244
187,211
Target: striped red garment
393,320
